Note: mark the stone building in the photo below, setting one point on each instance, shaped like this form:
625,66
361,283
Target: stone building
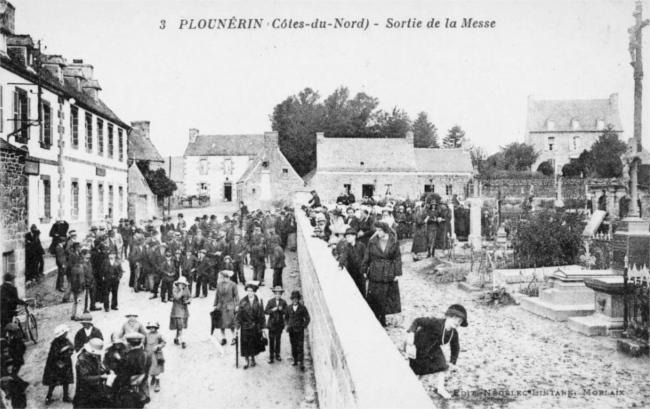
174,168
270,179
14,195
76,145
142,202
562,129
214,163
379,167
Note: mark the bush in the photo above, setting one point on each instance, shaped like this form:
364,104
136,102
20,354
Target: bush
548,238
545,169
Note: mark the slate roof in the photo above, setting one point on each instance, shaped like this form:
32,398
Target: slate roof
141,147
275,155
225,145
443,161
177,168
376,154
52,83
586,111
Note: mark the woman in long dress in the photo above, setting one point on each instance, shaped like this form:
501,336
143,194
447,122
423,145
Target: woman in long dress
383,262
226,300
58,368
180,312
250,322
420,235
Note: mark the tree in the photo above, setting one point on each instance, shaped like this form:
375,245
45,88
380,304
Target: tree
606,154
425,134
296,120
479,157
391,125
454,138
546,169
519,156
158,182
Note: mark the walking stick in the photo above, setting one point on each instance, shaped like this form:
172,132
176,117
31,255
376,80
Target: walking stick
237,350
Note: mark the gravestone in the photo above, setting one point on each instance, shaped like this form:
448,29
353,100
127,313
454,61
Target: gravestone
567,296
608,307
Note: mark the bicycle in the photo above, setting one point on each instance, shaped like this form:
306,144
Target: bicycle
29,326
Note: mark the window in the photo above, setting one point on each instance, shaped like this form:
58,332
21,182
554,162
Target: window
110,201
575,124
74,126
347,188
285,173
2,108
449,190
100,200
21,115
120,191
74,194
89,132
388,190
46,196
110,141
100,137
120,145
227,167
203,167
551,142
46,137
550,124
576,143
600,124
429,188
89,203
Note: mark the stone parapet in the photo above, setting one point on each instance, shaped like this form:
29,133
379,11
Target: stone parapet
355,362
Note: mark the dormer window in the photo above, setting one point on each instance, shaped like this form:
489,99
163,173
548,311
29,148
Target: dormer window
575,124
551,142
600,124
550,124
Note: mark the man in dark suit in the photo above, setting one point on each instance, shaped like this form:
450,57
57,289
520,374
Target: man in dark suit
275,309
314,202
352,258
168,274
33,254
278,265
58,232
297,319
61,264
112,274
366,227
86,333
9,300
203,268
136,258
236,250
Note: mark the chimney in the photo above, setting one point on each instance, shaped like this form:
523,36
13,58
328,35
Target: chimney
54,64
320,137
270,141
7,28
193,134
409,138
142,126
86,69
613,100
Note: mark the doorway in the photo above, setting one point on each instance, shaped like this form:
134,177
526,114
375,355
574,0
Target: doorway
227,192
368,190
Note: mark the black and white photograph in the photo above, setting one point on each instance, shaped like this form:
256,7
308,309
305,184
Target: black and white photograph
324,204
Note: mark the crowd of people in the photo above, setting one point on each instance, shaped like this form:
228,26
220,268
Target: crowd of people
173,262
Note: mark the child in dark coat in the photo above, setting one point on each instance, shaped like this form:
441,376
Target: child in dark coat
58,368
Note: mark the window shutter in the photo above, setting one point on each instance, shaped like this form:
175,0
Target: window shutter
29,108
16,109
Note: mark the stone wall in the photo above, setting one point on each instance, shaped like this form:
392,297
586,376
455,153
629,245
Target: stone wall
356,364
542,188
13,211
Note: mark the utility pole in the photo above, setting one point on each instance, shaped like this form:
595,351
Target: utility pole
636,54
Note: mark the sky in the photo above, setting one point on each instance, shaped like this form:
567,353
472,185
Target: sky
229,81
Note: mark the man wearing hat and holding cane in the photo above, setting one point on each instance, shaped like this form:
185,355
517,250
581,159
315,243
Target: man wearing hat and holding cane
275,309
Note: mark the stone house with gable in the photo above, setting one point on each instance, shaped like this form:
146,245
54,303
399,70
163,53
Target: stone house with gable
378,167
270,178
562,129
214,163
75,144
142,202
